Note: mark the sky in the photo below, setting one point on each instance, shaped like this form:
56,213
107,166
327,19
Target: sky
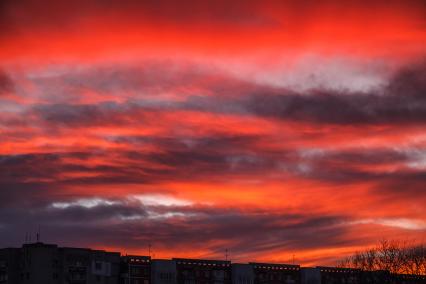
271,129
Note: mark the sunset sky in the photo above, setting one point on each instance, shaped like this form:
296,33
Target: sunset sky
268,128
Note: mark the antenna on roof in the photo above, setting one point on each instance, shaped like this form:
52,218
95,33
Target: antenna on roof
149,249
226,254
38,234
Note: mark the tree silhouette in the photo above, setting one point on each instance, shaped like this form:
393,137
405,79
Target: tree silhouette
398,257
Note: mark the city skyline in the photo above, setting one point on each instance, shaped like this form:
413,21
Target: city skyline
271,129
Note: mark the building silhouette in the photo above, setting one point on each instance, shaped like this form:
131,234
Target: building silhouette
39,263
49,264
135,269
201,271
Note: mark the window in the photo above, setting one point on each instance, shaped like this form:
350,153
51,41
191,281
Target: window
98,265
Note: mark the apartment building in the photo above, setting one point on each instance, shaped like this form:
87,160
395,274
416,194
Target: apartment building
135,269
163,271
201,271
269,273
49,264
9,265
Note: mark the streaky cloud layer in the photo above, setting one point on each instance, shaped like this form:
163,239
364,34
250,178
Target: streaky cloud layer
270,129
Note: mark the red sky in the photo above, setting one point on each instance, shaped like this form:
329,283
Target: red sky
268,128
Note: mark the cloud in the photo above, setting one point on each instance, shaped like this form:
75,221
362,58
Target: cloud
86,203
114,222
206,229
6,83
175,159
221,162
217,157
401,101
162,12
402,223
108,113
161,200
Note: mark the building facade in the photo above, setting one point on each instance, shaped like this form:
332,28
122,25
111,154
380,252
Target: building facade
242,273
201,271
333,275
163,271
310,275
268,273
135,269
81,266
10,265
49,264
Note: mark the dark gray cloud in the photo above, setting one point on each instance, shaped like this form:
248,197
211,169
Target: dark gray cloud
196,158
401,102
198,225
6,83
403,185
31,183
37,166
176,159
108,113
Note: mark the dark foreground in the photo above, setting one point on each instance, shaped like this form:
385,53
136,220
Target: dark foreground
40,263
